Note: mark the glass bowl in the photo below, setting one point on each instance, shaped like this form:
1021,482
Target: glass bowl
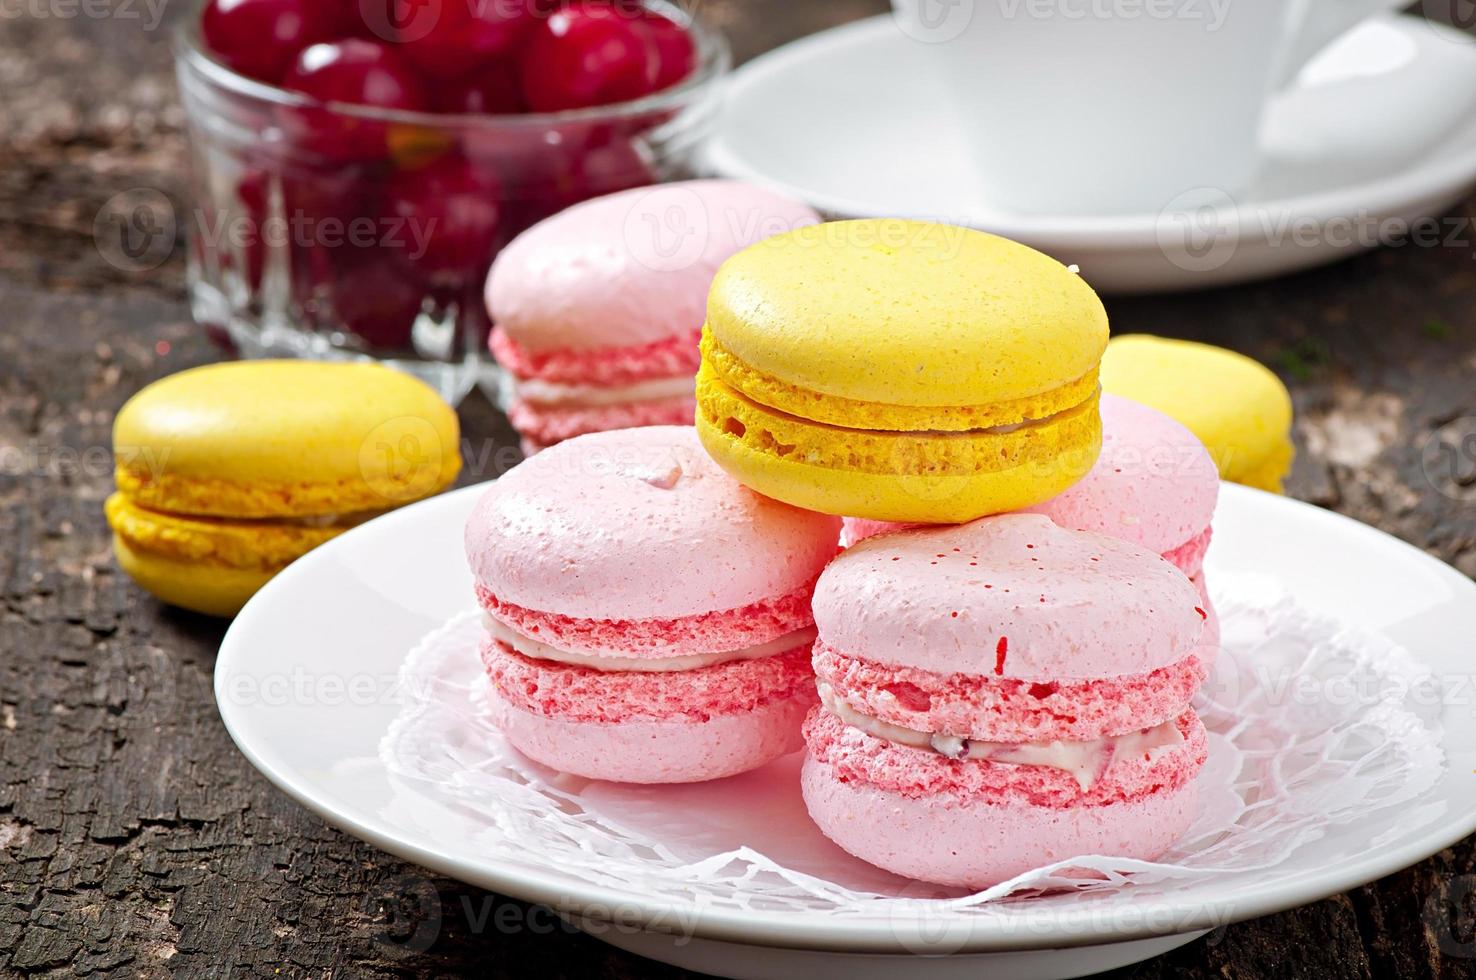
330,231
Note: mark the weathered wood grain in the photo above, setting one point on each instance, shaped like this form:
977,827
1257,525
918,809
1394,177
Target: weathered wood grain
135,840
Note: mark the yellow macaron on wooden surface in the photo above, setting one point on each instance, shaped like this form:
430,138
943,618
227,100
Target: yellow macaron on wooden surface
900,370
228,473
1236,406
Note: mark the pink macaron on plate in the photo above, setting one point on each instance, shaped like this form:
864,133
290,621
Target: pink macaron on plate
354,682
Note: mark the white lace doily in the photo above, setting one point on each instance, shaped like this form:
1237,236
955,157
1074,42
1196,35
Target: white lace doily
1311,724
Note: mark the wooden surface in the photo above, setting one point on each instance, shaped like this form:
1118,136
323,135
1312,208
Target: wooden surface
136,841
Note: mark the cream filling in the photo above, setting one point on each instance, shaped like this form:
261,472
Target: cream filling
999,430
991,430
538,650
1085,761
556,395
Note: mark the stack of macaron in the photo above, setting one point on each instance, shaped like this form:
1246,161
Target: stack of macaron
1005,687
901,371
227,473
597,310
1000,695
648,617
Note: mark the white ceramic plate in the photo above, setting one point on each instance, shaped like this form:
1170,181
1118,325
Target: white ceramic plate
1377,130
306,679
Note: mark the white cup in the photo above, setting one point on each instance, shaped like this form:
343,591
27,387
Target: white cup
1116,106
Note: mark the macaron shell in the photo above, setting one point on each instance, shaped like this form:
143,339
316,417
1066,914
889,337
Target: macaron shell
215,590
550,425
1154,483
657,751
284,438
629,268
973,844
907,313
1268,473
639,524
1209,642
1236,406
805,403
1008,596
578,693
260,545
669,357
717,631
858,757
1000,709
893,476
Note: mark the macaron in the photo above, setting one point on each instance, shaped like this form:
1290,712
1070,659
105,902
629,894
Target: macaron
1154,486
648,617
228,473
901,371
1000,695
1236,406
598,309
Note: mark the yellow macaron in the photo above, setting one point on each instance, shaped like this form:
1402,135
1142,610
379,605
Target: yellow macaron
1236,406
228,473
901,371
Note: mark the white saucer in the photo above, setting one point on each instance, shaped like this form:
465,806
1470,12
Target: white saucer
1377,130
307,684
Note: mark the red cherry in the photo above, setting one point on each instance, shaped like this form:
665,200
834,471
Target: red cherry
614,166
491,91
373,299
450,215
676,55
577,172
449,38
586,56
259,38
313,195
355,72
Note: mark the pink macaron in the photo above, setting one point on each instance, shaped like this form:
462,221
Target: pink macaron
598,310
1000,695
1154,485
648,617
